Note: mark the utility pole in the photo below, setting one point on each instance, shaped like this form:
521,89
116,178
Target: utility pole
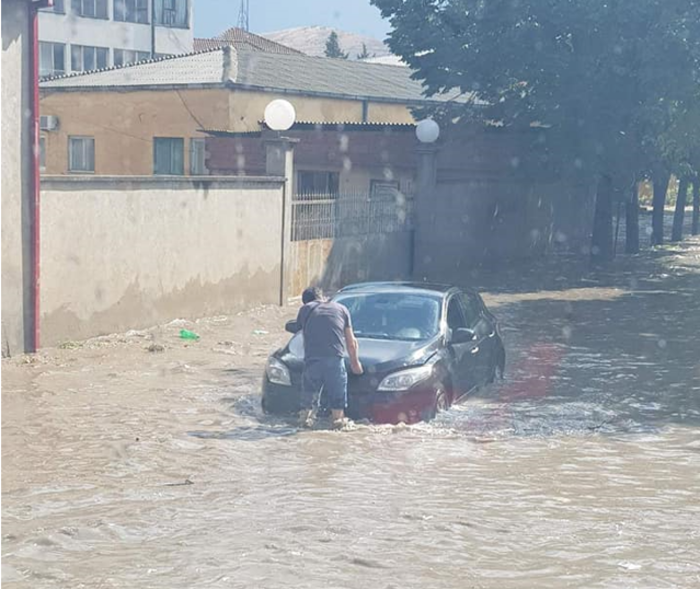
244,15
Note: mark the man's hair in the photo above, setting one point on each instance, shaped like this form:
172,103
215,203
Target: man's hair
313,293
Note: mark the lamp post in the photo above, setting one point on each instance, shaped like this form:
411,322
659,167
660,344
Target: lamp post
280,116
427,132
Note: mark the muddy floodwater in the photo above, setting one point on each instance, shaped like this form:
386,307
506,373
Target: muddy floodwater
141,460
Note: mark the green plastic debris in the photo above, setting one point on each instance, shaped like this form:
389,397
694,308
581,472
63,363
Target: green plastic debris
187,334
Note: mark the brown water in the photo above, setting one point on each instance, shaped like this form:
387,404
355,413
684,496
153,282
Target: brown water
128,468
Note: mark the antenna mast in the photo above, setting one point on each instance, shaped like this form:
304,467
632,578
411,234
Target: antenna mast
244,15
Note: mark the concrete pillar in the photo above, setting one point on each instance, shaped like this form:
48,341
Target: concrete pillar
17,321
424,207
280,162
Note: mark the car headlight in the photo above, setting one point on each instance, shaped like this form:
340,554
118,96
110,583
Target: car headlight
277,372
405,379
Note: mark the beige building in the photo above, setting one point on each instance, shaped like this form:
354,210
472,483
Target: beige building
148,118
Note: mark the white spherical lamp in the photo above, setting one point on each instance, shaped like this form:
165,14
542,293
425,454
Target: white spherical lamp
427,131
280,115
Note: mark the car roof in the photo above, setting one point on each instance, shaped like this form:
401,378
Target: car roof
399,287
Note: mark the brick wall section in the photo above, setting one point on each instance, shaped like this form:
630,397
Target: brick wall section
324,149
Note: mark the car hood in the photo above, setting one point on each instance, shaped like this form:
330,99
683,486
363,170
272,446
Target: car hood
377,355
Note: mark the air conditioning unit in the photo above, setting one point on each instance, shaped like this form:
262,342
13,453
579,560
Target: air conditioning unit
48,123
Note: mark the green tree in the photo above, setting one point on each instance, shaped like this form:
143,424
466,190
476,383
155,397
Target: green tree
365,54
608,77
333,47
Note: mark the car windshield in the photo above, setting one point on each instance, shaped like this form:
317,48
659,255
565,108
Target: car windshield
393,316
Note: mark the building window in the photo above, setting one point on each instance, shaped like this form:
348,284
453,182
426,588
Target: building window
85,59
126,56
42,154
58,7
131,11
318,183
171,13
52,59
198,157
90,8
81,154
168,156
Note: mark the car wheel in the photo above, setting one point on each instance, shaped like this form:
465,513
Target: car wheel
491,378
441,404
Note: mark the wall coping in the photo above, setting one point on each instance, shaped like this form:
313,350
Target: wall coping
194,182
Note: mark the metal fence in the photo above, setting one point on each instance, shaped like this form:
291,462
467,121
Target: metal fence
328,216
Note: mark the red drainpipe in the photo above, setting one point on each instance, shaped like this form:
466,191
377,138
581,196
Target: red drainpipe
36,178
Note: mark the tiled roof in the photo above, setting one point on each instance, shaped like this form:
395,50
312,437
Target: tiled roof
282,73
243,39
206,67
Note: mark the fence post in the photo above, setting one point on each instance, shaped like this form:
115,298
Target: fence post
279,161
423,206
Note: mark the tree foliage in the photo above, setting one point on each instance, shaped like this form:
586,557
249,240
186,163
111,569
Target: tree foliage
333,47
616,81
364,54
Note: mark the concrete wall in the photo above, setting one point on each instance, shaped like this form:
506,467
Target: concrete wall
483,204
248,107
334,263
16,170
124,253
124,124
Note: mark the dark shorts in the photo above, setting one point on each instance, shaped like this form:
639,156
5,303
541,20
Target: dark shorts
330,375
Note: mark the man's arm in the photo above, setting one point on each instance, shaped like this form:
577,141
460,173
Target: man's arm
302,316
353,349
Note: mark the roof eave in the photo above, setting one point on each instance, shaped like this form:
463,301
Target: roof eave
318,94
134,87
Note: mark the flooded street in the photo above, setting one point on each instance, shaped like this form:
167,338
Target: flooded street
141,460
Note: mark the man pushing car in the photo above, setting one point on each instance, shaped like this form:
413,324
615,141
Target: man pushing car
328,338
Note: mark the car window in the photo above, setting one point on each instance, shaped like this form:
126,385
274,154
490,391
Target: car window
393,316
472,309
455,317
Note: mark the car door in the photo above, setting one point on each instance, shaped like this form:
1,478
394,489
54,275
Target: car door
485,331
464,364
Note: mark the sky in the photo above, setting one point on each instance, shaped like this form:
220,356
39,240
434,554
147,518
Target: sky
356,16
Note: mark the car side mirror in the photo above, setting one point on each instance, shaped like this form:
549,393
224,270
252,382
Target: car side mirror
292,327
462,335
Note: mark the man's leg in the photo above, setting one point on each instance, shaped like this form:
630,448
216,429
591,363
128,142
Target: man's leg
311,384
336,384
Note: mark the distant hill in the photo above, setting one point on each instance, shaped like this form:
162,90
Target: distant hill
312,41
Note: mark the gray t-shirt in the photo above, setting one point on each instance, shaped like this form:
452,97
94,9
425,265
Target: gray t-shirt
324,325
